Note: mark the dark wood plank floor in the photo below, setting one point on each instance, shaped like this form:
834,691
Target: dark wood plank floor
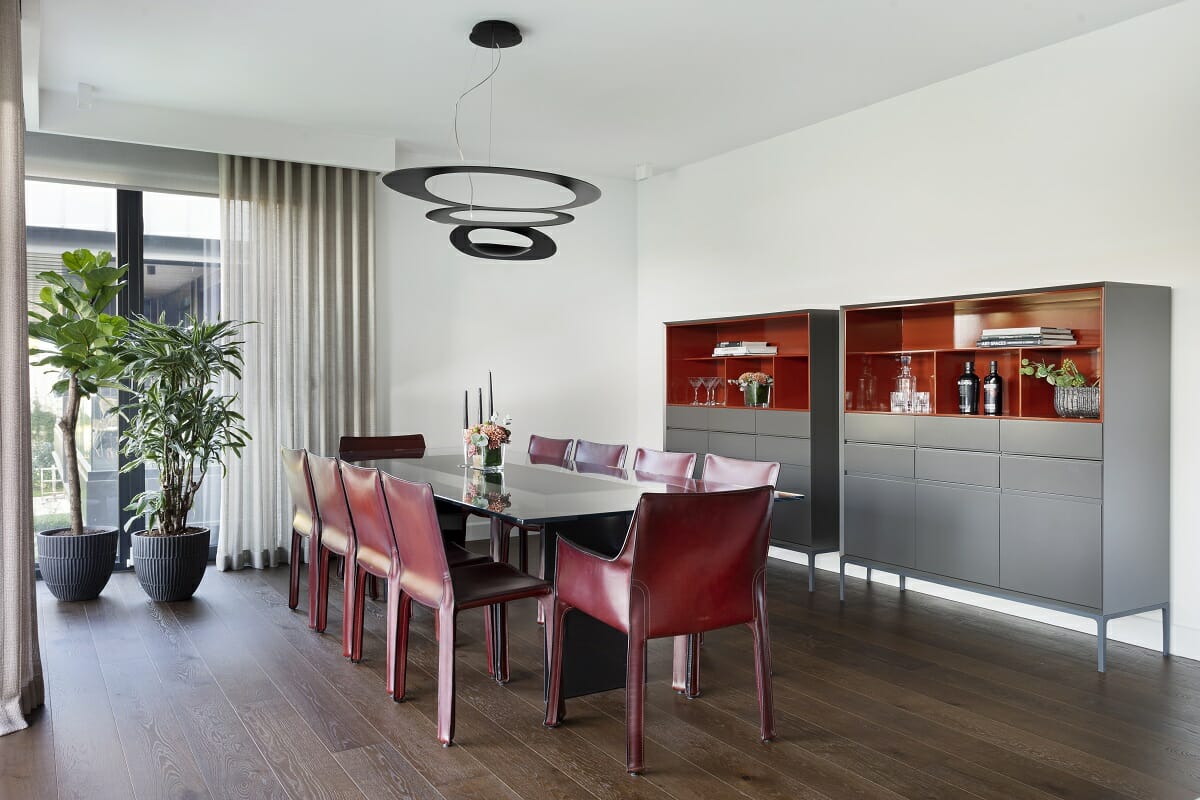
892,695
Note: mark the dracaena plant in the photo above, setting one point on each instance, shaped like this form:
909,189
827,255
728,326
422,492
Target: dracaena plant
178,420
77,339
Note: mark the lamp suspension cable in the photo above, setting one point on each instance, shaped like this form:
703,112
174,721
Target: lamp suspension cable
497,56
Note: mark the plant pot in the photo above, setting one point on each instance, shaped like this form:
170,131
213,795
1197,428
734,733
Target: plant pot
1081,402
170,567
76,567
488,459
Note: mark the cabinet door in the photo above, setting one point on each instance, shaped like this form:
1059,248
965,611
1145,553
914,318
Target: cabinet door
1050,546
879,519
731,445
958,532
685,441
693,417
791,522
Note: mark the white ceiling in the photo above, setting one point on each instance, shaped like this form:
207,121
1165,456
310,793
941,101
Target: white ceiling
598,85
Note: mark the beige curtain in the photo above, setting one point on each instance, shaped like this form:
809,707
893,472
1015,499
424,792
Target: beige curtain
21,688
297,257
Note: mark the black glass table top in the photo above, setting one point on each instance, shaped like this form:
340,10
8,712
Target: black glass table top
528,493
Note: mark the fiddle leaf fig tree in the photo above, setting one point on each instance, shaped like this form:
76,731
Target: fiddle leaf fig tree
177,420
76,338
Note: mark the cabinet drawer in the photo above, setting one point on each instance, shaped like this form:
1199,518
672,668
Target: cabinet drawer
958,434
1051,547
958,532
782,423
733,420
959,466
880,428
880,459
694,417
1052,475
879,519
685,441
794,479
792,521
1049,438
783,449
731,445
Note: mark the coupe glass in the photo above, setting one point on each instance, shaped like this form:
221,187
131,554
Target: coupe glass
695,384
709,385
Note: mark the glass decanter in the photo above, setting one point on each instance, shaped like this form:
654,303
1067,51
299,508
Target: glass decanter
906,384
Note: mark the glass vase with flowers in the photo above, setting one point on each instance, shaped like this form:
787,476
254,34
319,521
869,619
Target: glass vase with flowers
756,388
485,444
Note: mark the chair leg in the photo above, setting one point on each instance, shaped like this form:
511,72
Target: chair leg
373,587
679,665
294,569
762,666
399,607
326,558
445,716
692,689
501,643
555,614
635,700
523,549
314,578
349,600
359,611
541,612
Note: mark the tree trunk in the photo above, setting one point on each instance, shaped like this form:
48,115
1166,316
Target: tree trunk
67,425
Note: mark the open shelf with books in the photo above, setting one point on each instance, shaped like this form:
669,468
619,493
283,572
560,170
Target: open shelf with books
941,336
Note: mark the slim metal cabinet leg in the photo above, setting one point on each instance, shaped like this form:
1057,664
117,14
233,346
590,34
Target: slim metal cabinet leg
1101,642
903,583
842,583
1166,617
868,574
811,566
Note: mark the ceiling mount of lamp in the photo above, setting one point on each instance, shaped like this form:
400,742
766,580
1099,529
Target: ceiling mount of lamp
493,35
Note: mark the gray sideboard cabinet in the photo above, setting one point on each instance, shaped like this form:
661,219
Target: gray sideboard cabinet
1068,514
799,428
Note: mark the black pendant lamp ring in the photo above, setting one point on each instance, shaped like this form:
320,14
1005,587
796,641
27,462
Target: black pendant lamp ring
412,182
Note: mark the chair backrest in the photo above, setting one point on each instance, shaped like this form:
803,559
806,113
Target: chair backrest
375,543
299,481
363,448
700,557
656,462
424,571
330,495
739,471
607,455
546,450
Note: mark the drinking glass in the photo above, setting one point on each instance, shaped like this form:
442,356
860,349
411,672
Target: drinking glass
709,385
695,383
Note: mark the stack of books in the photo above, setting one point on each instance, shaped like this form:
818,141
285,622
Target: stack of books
1026,337
744,349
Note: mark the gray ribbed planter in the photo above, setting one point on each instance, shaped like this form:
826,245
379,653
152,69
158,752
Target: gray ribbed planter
170,567
76,567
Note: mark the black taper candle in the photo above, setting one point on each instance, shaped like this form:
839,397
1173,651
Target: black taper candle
480,405
491,402
466,405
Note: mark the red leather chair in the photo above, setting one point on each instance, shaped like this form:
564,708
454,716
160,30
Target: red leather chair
739,472
375,552
425,577
608,455
656,462
363,448
305,525
690,563
548,450
336,539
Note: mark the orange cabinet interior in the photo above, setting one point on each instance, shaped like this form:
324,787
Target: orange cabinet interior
941,336
689,355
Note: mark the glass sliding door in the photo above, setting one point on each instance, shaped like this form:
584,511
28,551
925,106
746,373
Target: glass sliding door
61,217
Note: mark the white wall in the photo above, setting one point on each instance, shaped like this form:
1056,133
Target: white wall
1078,162
558,334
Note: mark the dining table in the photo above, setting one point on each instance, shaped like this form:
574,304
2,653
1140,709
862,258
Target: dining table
590,505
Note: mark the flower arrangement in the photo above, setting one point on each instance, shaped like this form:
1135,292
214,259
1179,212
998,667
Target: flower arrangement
1067,375
761,378
488,435
491,500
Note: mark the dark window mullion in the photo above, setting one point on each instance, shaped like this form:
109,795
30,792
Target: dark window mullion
130,250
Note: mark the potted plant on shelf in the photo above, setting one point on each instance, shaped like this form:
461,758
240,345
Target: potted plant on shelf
1073,397
78,339
756,388
179,423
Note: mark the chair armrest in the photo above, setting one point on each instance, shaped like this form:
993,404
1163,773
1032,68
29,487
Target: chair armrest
596,585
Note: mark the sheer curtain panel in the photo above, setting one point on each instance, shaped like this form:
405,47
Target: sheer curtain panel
21,688
298,258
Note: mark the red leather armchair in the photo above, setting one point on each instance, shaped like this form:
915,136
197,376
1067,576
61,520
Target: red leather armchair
690,563
656,462
305,525
424,576
336,539
607,455
550,451
362,448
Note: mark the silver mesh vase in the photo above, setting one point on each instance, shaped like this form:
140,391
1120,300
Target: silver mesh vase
1077,401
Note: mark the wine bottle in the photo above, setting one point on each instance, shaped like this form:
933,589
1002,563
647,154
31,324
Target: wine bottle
993,393
968,390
